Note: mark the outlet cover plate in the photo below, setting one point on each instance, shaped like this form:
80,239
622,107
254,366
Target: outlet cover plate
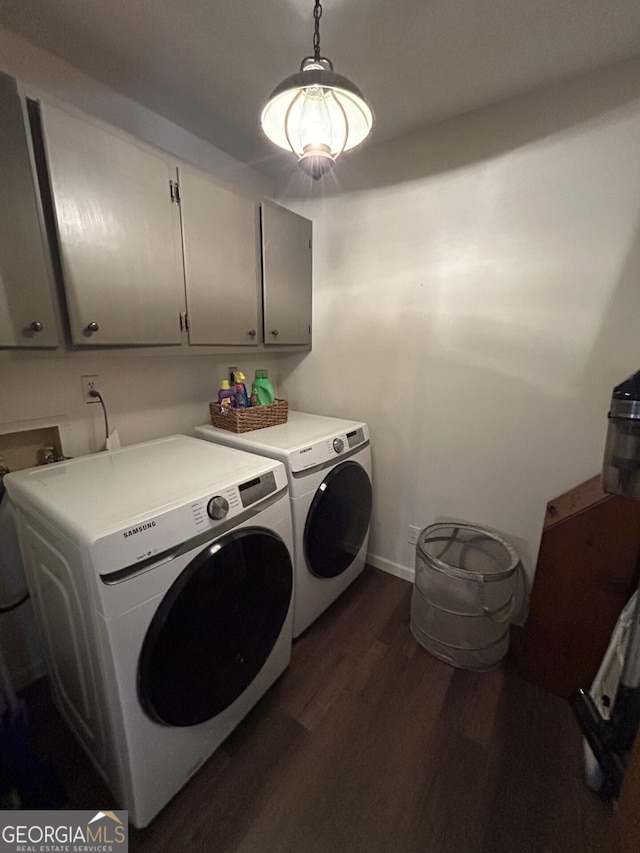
89,383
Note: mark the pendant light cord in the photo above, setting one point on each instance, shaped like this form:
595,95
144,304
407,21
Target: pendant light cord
317,14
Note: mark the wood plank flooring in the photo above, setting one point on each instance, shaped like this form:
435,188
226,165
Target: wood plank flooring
367,743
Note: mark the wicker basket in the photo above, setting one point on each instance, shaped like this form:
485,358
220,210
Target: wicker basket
255,417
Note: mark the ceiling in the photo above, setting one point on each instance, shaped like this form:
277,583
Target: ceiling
209,65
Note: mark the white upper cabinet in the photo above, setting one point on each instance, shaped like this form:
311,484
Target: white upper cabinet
149,252
118,232
27,317
221,262
286,276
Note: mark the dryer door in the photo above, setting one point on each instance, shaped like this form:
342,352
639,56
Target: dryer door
338,520
215,627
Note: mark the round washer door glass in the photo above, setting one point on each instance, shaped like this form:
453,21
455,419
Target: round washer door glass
215,627
338,520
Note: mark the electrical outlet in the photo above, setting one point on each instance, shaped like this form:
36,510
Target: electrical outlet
414,532
89,383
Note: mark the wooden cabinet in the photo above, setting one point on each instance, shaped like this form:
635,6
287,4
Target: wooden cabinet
221,262
627,815
118,234
27,316
587,570
286,276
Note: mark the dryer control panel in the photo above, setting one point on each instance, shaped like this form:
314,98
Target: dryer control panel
355,437
327,449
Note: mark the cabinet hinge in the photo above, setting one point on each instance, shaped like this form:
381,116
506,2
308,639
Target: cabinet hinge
174,191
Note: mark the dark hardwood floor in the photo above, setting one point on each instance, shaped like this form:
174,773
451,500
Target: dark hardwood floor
367,743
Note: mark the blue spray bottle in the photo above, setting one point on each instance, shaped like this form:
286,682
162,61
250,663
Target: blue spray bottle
242,398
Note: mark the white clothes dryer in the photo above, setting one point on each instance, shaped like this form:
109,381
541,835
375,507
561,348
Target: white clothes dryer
328,462
162,580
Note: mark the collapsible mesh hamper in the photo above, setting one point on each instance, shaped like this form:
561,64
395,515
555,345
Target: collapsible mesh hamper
464,594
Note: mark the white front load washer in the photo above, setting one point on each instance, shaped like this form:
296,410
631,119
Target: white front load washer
328,462
162,579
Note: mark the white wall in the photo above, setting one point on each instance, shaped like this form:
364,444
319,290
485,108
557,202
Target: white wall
476,298
146,396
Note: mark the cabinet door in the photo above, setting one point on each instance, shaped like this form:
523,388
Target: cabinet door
27,316
587,570
221,262
119,234
286,276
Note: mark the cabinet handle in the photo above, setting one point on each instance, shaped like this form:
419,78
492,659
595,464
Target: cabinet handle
93,327
36,326
274,332
252,333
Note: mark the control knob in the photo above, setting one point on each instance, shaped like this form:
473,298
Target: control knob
338,445
217,507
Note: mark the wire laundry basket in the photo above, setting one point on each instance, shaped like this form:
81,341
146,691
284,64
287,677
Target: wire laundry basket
465,594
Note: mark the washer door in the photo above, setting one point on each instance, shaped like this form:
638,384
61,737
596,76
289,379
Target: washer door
338,520
215,627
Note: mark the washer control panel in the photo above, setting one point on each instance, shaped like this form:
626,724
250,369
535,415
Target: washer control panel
150,536
338,445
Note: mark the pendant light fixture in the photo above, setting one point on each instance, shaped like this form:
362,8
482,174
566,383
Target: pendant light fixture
316,113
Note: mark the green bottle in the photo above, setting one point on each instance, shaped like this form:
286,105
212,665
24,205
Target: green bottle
262,393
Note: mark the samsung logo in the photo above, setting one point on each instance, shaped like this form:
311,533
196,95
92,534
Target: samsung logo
306,450
136,530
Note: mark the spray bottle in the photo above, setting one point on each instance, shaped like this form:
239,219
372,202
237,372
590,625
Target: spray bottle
237,381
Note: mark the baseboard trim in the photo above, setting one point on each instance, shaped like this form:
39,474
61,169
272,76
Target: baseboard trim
391,568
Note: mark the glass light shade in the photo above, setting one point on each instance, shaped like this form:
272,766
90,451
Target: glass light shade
317,114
